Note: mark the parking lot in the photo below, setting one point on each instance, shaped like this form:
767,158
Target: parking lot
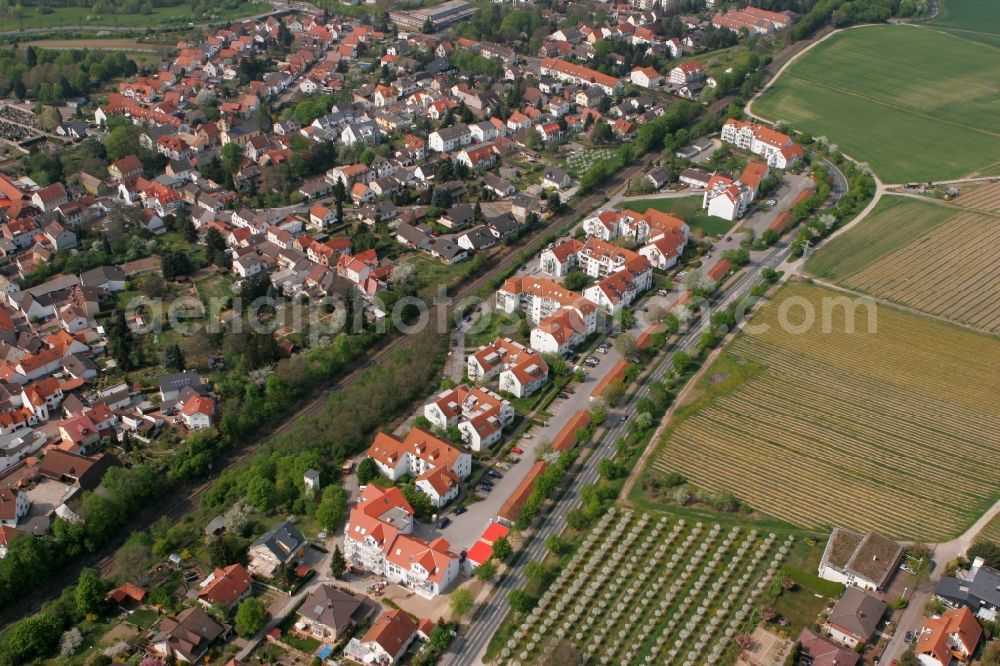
465,529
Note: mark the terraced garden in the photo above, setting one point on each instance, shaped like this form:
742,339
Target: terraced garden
935,258
830,427
645,589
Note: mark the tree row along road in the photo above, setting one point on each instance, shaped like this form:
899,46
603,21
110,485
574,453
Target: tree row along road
185,502
468,649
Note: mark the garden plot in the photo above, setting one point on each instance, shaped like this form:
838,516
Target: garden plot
577,165
649,589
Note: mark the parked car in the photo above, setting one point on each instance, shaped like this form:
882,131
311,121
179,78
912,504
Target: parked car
443,522
460,510
495,474
485,488
518,450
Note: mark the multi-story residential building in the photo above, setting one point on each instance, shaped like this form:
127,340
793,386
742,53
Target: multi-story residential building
417,454
480,414
752,19
522,371
777,148
687,73
540,298
580,75
378,537
449,138
374,522
426,568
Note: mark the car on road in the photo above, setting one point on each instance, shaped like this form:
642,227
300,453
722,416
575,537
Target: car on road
443,522
460,510
729,238
518,450
622,419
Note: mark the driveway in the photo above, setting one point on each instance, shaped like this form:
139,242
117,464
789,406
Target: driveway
792,185
912,617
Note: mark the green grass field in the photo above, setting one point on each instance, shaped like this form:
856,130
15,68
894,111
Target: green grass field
829,426
916,104
688,209
924,255
159,17
895,223
978,20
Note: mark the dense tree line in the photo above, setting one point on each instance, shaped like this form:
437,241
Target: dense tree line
521,29
32,559
52,76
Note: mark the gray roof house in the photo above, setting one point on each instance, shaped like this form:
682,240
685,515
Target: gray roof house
328,612
979,591
171,385
855,617
283,544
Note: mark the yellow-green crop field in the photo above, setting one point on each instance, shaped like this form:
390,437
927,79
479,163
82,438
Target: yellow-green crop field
893,430
938,259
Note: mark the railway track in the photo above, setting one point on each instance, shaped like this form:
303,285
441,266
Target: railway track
181,505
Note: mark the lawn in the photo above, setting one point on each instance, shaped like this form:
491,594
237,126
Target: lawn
923,255
688,209
839,427
915,104
158,17
648,588
143,618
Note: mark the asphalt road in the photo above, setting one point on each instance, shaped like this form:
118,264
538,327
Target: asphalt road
468,649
